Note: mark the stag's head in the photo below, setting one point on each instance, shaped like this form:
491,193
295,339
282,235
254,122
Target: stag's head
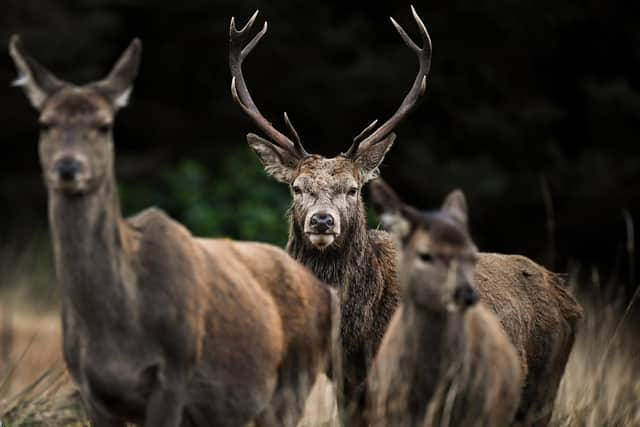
76,144
326,191
437,254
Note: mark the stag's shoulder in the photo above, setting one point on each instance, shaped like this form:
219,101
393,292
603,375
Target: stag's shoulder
383,244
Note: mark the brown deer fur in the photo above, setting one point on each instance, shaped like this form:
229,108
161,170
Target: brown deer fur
444,360
535,309
161,328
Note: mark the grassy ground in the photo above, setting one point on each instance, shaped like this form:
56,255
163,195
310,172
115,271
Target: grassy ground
601,386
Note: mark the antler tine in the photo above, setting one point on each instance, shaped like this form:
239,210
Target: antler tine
413,96
356,141
296,138
239,90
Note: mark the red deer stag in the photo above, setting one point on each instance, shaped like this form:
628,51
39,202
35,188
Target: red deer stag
445,359
328,231
538,314
162,328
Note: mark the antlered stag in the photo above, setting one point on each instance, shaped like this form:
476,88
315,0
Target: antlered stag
328,231
536,310
161,328
445,359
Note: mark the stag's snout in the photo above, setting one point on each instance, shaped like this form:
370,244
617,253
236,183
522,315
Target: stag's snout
321,222
322,227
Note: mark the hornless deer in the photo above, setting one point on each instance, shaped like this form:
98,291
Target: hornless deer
161,328
444,360
538,314
328,231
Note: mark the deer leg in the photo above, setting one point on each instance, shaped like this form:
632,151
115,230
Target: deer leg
166,404
98,419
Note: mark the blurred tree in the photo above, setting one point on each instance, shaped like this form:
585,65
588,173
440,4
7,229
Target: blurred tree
518,91
236,201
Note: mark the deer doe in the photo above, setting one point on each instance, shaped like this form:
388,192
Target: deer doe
445,360
161,328
535,309
328,231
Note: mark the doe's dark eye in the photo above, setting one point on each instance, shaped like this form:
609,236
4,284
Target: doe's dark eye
44,127
297,190
104,129
353,191
425,257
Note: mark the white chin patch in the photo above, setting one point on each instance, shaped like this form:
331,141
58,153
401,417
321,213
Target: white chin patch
452,307
321,240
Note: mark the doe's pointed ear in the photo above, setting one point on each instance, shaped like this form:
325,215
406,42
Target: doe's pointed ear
37,82
369,159
277,162
390,209
455,204
117,86
384,198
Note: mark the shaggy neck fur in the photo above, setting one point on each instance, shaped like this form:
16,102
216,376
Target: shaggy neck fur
87,234
352,266
344,263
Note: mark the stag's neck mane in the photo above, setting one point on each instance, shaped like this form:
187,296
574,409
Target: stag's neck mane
89,241
341,264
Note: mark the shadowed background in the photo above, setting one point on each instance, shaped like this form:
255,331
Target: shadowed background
532,108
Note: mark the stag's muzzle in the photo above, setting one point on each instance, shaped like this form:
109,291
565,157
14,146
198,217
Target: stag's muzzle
322,228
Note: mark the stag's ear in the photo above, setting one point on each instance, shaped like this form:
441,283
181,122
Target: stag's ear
117,86
370,158
38,82
277,162
455,204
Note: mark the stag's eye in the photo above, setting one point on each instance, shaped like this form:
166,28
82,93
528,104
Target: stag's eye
352,191
297,190
425,257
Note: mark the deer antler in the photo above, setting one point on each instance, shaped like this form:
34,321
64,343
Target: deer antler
368,136
240,92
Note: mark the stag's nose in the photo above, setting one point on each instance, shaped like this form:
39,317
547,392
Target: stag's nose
68,168
321,222
466,295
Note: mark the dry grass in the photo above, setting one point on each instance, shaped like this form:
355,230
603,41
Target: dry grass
601,386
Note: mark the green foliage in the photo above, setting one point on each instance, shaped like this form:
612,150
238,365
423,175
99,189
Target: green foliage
237,200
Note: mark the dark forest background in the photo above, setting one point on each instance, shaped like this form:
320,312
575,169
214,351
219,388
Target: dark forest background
532,108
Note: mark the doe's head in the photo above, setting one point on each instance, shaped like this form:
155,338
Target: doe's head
76,143
325,191
437,253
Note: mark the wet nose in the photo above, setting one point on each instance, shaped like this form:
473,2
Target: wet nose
68,168
321,222
466,295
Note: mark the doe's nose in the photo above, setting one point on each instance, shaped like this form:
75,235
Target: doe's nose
68,168
321,222
466,295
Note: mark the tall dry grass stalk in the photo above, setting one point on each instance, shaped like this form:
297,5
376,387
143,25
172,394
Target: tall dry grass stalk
44,403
